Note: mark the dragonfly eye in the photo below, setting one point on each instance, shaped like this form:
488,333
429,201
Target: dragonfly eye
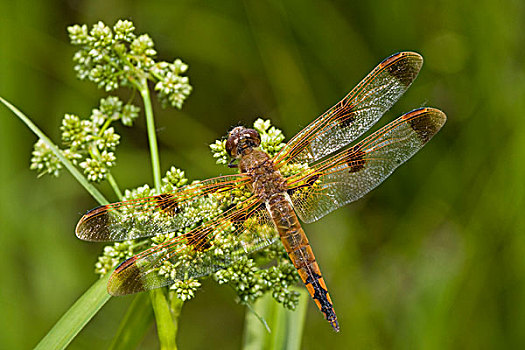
251,137
233,141
241,138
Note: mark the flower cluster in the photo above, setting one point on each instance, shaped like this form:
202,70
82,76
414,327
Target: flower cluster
185,290
112,256
174,179
279,279
44,160
250,282
117,57
172,87
271,137
90,143
218,149
244,279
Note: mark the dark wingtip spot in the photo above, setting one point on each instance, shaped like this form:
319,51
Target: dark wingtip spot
426,122
125,279
93,226
96,210
404,66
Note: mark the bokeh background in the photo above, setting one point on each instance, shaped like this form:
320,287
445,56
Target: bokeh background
433,258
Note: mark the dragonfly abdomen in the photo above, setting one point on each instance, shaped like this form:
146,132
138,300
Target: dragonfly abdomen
300,252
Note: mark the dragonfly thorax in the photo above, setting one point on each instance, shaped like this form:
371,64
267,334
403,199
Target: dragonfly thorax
266,179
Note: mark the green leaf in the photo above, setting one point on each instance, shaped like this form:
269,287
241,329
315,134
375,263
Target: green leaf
135,324
286,325
76,317
56,151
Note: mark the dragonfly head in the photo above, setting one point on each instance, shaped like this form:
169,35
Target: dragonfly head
241,139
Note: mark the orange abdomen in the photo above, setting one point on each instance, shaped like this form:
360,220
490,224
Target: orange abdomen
296,244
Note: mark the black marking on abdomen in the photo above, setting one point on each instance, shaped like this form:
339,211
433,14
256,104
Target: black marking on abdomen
322,296
312,277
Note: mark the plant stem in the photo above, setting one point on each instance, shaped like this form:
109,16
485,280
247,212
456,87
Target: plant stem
166,324
114,186
176,307
152,136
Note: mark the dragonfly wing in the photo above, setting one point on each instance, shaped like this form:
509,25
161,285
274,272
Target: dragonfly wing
350,174
355,113
202,251
161,214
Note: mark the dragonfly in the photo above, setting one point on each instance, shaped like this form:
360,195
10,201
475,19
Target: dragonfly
331,174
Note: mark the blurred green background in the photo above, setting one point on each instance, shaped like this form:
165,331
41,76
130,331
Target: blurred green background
434,258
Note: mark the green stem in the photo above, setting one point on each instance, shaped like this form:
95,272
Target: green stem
152,136
104,127
166,324
58,153
176,307
114,185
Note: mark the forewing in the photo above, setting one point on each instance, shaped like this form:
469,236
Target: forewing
355,113
351,174
161,214
202,251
